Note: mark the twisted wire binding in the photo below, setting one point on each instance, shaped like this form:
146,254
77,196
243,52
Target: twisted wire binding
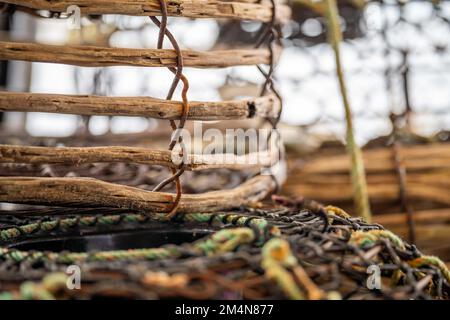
271,35
176,137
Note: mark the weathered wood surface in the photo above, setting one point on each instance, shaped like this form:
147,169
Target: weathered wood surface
327,178
331,193
88,192
419,157
78,156
237,9
429,217
90,56
267,106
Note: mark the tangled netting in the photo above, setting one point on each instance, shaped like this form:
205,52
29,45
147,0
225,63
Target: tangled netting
290,248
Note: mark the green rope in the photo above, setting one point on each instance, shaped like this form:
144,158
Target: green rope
260,225
364,239
225,240
278,260
277,256
222,241
359,182
427,261
42,290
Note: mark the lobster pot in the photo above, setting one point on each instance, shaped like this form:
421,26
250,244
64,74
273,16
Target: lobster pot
67,180
164,214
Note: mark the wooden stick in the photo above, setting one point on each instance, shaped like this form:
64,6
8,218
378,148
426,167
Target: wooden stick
159,137
77,156
326,178
382,192
419,157
87,192
437,178
433,216
90,56
236,9
267,106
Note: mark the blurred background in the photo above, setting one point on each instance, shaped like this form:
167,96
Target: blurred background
397,67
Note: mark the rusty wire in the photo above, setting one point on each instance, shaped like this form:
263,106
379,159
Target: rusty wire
271,35
178,72
320,244
335,265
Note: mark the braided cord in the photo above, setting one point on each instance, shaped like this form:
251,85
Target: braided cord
278,259
220,242
261,226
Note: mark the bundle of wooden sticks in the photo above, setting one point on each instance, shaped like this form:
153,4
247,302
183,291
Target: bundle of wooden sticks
84,191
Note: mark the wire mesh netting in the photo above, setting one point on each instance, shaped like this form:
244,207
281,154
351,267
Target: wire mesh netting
322,254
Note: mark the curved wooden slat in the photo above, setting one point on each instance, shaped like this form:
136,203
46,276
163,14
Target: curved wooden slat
267,106
242,10
89,56
82,155
88,192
